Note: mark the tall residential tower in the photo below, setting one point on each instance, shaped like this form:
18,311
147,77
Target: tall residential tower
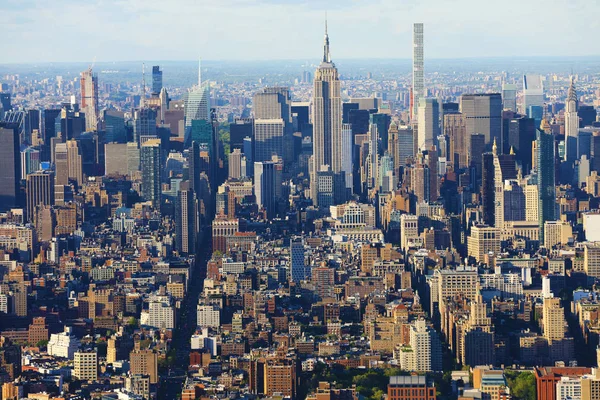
418,69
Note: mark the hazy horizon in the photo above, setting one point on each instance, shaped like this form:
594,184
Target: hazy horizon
262,30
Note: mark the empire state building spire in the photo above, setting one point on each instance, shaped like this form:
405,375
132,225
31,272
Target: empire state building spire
326,55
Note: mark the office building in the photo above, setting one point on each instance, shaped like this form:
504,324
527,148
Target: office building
74,164
144,123
482,241
571,125
39,191
208,316
455,129
591,259
89,99
483,115
327,125
157,80
533,92
429,122
409,230
187,223
151,166
509,96
197,107
85,364
297,263
30,161
546,181
236,159
488,189
267,186
418,84
240,129
115,158
268,138
10,165
114,125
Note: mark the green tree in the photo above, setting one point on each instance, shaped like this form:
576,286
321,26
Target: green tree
42,343
522,384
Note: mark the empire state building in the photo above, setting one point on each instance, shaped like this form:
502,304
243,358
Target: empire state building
327,175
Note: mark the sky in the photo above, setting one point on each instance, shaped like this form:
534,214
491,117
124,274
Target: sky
130,30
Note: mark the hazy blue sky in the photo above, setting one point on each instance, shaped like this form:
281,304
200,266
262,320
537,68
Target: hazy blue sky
115,30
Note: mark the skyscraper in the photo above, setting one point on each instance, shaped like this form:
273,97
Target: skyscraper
545,179
487,189
89,99
533,92
418,68
297,267
61,164
327,123
571,124
483,114
187,221
268,138
455,128
144,123
509,97
39,191
267,181
74,165
150,164
197,106
10,167
429,122
156,80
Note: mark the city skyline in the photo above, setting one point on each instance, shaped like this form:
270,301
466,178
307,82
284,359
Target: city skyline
454,30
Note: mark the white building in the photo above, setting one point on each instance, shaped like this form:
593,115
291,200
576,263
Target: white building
568,388
208,316
160,314
63,344
409,230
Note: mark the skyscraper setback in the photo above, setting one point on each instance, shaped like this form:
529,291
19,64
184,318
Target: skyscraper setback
89,99
327,125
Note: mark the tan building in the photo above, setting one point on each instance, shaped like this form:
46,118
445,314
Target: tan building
38,331
553,320
557,233
591,259
483,240
144,362
86,365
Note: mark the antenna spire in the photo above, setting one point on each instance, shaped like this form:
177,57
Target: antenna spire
326,54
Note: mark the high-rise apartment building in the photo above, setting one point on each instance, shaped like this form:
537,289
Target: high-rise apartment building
150,163
483,240
74,165
10,167
418,84
327,126
89,99
144,362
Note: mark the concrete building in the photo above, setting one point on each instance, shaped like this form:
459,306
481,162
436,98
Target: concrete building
85,365
483,240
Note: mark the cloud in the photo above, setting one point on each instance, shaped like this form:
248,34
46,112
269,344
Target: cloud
68,30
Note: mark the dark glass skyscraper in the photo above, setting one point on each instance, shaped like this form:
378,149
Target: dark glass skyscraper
157,82
10,167
546,178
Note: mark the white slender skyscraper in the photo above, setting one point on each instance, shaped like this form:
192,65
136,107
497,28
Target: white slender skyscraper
418,68
571,124
327,124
